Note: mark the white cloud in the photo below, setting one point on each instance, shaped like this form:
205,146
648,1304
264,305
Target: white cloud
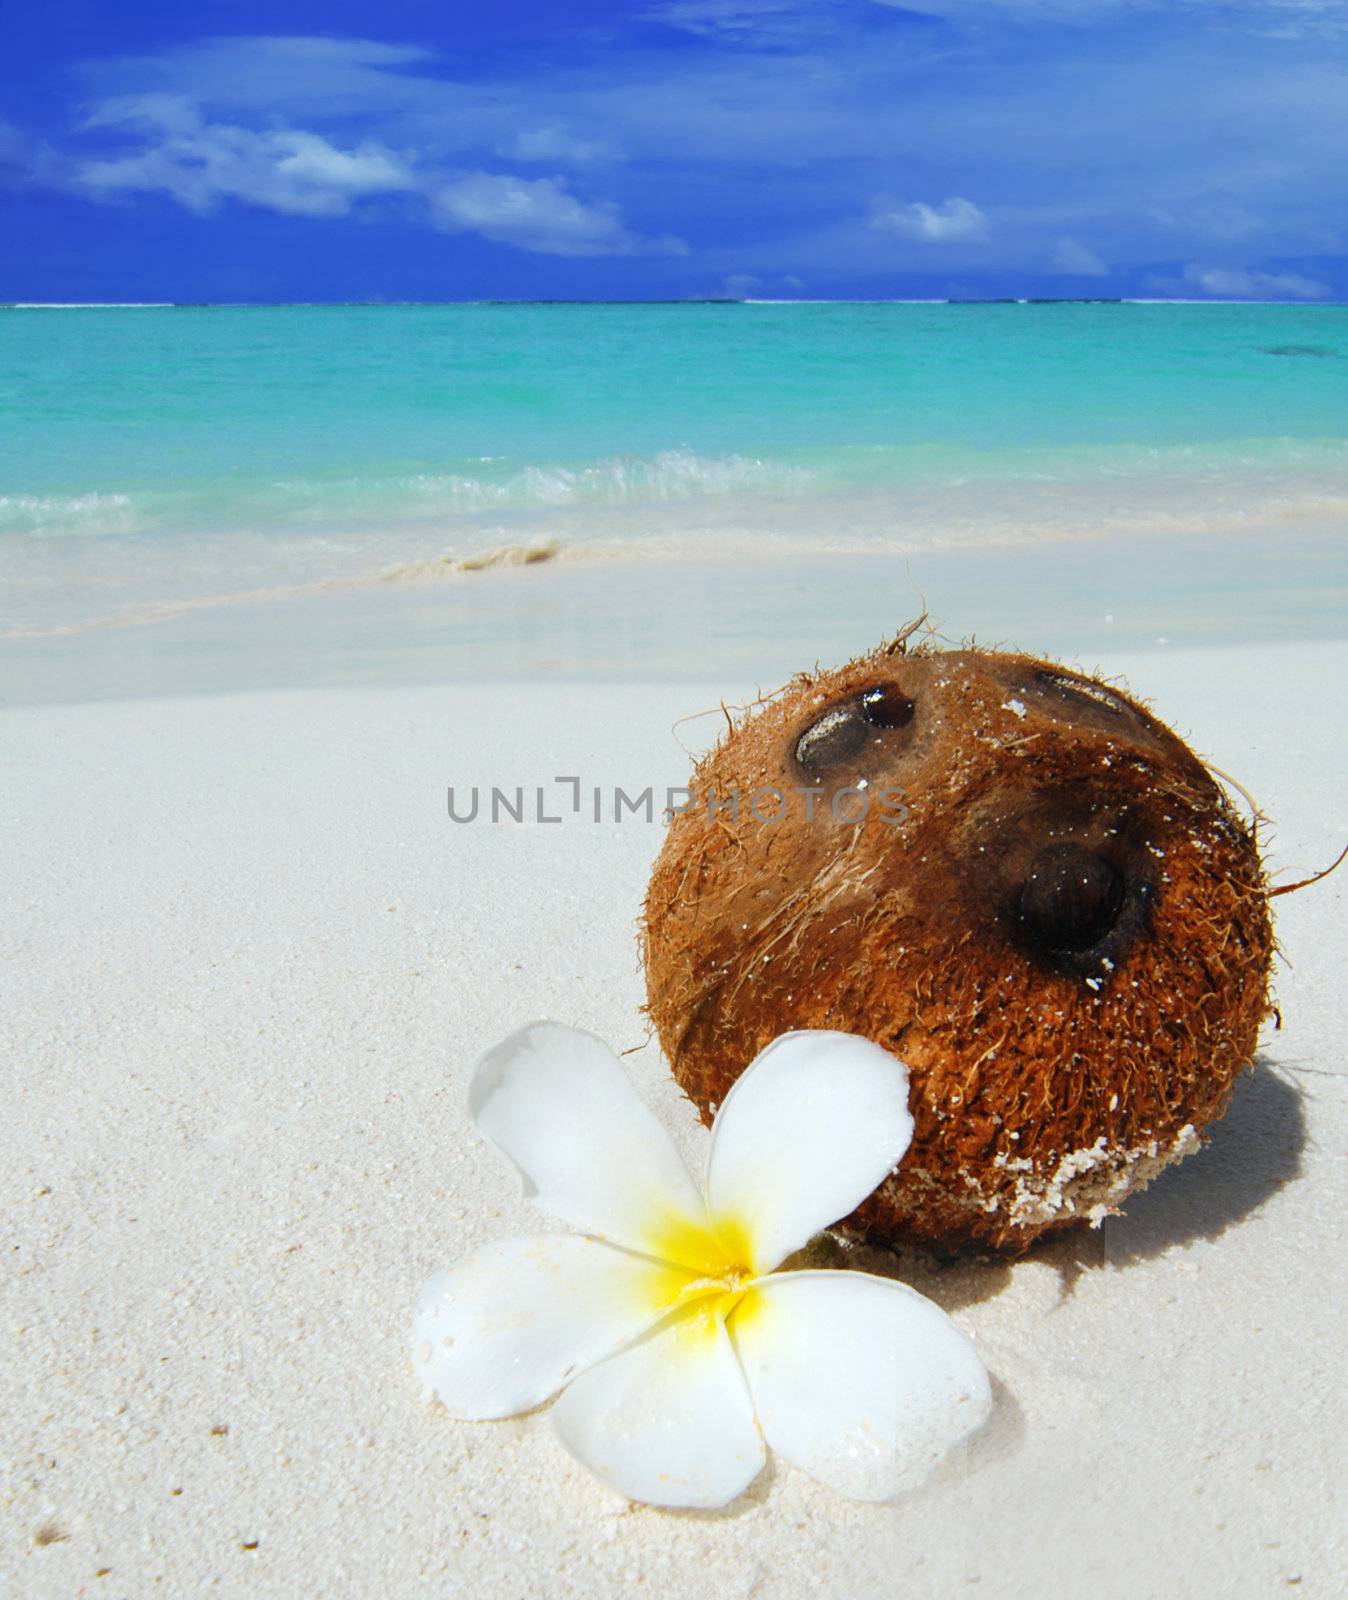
1274,16
1083,12
777,22
541,215
1238,283
23,159
200,164
156,111
1141,141
747,285
296,75
203,164
1077,261
752,22
1215,217
954,221
554,146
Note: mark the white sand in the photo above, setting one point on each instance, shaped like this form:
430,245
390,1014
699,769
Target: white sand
249,963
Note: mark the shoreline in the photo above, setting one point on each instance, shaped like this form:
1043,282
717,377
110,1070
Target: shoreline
1321,517
728,618
693,510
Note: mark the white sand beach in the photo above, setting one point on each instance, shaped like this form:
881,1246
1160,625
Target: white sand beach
249,963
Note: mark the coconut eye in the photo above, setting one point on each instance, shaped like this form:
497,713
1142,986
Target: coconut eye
886,706
1070,900
1082,693
838,735
844,731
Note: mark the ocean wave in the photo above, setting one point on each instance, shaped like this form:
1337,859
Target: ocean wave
59,514
344,500
617,480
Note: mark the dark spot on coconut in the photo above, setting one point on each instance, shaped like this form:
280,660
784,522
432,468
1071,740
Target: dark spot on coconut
838,735
1069,901
886,706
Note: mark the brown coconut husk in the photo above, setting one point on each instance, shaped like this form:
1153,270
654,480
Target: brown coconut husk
1066,938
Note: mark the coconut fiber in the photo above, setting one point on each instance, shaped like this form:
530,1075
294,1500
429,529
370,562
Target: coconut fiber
1012,876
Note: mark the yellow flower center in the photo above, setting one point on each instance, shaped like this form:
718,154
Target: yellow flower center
709,1269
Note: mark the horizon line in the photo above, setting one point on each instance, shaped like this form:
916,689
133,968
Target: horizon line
686,300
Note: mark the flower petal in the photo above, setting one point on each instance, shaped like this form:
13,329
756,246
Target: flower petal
556,1102
667,1421
813,1125
510,1324
859,1381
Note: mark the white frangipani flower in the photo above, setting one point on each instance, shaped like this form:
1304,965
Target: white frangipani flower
682,1353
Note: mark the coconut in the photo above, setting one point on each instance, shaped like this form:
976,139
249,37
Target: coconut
1014,877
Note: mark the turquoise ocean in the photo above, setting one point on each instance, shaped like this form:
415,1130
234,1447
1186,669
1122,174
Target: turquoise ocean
159,459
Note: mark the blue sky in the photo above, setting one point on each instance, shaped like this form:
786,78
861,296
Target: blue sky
779,148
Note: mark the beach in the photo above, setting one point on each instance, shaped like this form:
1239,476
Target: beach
259,620
158,459
250,964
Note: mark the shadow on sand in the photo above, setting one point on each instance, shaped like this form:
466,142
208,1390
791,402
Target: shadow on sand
1248,1156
